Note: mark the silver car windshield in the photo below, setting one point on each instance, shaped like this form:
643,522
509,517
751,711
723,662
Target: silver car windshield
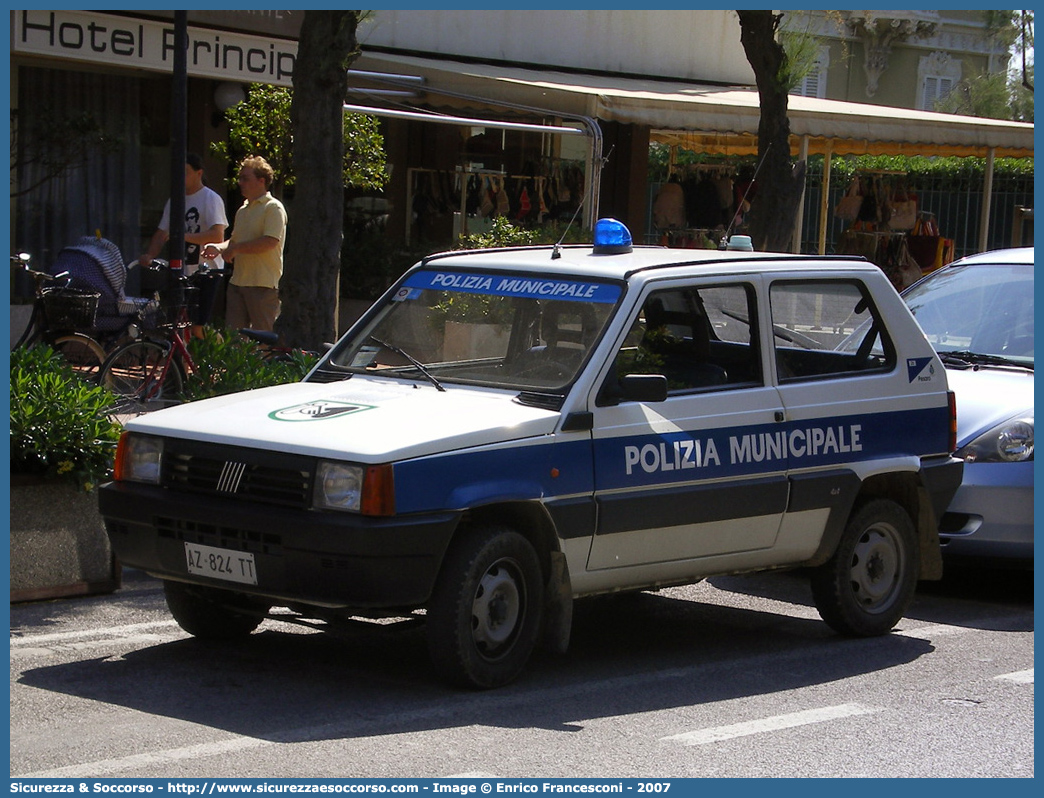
513,331
978,312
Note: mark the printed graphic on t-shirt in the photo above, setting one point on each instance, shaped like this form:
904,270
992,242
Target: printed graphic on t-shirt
192,225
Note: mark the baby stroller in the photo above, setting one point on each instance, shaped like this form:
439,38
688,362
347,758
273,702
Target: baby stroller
96,264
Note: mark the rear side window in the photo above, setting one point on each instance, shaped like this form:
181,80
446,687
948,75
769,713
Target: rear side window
827,328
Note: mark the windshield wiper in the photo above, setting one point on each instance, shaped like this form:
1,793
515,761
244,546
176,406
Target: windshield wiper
967,358
416,363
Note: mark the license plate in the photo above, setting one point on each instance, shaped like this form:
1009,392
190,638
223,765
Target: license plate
232,566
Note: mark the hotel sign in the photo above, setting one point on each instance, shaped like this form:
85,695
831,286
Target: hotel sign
149,44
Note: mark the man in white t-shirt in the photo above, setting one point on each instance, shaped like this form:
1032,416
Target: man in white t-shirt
205,219
205,223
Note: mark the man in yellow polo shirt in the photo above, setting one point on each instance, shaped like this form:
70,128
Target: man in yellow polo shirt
255,248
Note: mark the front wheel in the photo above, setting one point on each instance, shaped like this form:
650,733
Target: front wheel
210,614
142,372
867,586
484,616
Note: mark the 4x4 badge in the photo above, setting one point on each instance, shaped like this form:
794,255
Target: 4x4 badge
317,411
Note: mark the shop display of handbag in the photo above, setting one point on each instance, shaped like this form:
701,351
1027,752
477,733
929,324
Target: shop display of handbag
850,205
931,250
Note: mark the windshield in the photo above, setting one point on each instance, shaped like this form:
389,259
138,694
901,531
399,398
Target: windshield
518,332
978,312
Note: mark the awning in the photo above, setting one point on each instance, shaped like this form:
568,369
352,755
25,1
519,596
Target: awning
702,115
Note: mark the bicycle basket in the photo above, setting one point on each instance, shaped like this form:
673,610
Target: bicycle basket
180,293
70,308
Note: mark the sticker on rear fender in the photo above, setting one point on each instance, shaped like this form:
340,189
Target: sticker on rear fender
319,410
915,368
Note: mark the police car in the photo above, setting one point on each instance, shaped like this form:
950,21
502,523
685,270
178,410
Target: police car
506,431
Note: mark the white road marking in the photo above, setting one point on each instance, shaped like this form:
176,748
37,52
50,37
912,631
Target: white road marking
109,766
931,630
65,637
774,723
136,635
1021,677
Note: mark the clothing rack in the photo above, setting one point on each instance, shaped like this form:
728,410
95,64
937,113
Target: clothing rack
687,168
563,175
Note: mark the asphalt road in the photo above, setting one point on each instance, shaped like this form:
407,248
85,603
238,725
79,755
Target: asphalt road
735,677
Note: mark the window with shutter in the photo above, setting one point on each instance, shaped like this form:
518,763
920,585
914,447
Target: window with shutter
934,88
814,84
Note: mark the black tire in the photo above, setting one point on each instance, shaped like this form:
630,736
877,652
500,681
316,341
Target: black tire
209,614
867,586
82,352
135,371
483,620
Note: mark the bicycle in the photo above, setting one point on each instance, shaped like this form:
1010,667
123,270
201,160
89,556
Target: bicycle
271,350
58,311
150,371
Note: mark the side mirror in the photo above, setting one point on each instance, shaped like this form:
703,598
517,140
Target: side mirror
643,388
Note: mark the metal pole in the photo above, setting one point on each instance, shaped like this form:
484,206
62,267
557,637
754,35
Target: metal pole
178,140
799,219
987,200
824,201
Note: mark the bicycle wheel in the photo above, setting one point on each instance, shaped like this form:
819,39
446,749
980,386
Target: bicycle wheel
142,373
82,352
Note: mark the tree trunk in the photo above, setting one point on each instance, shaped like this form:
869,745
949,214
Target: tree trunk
315,227
780,184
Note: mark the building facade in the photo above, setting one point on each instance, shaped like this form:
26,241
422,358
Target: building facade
542,115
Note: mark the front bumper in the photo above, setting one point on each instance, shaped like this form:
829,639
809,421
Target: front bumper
329,559
991,515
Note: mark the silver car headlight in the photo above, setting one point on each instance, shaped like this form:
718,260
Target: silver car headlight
1008,442
139,458
338,486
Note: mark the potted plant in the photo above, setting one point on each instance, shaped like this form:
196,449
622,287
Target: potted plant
62,446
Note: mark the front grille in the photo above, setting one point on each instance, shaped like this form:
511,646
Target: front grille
220,536
240,473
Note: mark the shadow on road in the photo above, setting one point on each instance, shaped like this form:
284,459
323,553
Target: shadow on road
629,654
982,598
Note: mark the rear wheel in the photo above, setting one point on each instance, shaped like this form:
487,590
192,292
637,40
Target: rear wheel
867,586
484,615
141,373
212,614
82,352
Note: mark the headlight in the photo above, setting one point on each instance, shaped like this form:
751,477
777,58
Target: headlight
369,490
338,486
138,458
1009,442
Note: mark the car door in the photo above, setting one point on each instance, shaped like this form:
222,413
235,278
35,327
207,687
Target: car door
844,395
697,475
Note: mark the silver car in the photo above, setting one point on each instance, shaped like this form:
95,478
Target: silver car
978,314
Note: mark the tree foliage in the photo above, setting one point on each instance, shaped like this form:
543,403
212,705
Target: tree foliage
260,125
993,95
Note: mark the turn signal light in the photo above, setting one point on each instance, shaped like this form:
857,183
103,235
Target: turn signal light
378,493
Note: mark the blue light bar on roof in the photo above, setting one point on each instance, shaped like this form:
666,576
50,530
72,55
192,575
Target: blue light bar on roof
611,237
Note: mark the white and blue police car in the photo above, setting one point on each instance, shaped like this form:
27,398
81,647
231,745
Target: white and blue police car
506,431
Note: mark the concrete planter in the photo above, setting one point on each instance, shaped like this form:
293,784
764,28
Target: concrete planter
58,542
